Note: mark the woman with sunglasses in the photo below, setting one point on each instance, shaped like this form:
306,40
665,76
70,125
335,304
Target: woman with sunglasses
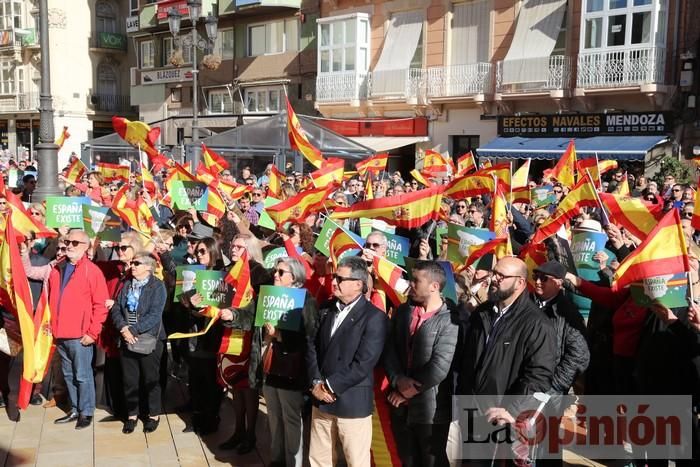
243,377
137,311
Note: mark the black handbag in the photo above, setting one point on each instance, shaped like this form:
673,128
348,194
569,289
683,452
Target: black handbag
145,343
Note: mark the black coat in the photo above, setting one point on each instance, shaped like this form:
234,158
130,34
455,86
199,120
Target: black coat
346,360
149,312
432,351
521,356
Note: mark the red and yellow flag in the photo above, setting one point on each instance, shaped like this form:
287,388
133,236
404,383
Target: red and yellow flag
238,277
470,185
595,167
234,190
501,172
369,190
583,194
565,170
147,180
534,255
695,222
390,280
635,215
374,164
299,141
62,137
436,163
624,187
499,224
299,206
340,242
480,251
76,170
276,180
213,162
465,164
409,210
420,178
520,177
113,172
216,207
331,172
143,137
663,252
23,222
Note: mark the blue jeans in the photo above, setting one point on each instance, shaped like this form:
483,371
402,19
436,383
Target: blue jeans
76,363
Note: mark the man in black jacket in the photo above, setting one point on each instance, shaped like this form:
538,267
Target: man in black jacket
509,348
340,361
417,359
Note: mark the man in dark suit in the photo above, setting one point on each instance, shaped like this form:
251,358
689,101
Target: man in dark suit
340,360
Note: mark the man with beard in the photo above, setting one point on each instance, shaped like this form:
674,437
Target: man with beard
509,346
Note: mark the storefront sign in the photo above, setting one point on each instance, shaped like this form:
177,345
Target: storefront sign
585,125
132,24
169,75
398,127
179,5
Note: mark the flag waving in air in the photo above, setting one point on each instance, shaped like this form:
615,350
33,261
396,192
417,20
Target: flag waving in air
298,139
299,206
374,164
565,169
75,171
62,137
213,162
143,137
465,164
238,277
520,177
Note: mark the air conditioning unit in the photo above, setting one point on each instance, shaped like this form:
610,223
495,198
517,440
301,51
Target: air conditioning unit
134,74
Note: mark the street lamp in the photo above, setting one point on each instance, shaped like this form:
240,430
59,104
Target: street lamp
194,41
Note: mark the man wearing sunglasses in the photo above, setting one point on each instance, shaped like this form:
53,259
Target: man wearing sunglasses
77,297
340,363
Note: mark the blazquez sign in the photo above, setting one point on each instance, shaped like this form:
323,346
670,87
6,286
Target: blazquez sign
571,125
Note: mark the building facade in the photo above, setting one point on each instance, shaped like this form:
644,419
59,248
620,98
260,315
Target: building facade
89,71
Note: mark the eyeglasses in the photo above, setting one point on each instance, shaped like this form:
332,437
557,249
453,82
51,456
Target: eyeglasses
114,189
341,279
687,215
676,190
414,183
3,203
73,243
62,249
280,272
373,246
498,277
123,248
135,263
249,183
237,247
201,252
459,206
540,277
257,194
557,191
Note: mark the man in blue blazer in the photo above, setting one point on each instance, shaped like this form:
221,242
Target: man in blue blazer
340,360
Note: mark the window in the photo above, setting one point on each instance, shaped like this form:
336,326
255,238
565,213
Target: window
106,80
344,45
273,38
148,54
10,14
624,23
168,51
220,102
106,18
263,99
462,144
224,44
176,95
471,29
134,6
7,78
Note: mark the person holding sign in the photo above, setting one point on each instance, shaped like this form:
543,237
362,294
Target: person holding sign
137,314
283,370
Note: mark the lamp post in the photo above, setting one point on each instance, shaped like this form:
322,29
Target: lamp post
47,150
194,41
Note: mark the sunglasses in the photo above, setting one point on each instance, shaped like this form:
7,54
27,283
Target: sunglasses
341,279
687,215
35,213
540,277
62,249
557,191
414,183
73,243
123,248
461,207
372,245
135,263
281,272
114,189
257,194
201,252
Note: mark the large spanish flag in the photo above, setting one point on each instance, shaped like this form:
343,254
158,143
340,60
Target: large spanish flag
470,185
465,164
409,210
299,206
663,252
213,161
113,172
374,164
635,215
238,277
583,194
565,170
23,222
330,172
298,139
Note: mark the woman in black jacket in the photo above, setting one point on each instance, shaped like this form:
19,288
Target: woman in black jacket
137,311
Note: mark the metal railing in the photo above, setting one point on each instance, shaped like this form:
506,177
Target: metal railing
19,102
533,74
621,68
460,80
399,84
342,86
110,103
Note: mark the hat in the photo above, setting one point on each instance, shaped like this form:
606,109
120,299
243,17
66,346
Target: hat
200,231
552,268
590,225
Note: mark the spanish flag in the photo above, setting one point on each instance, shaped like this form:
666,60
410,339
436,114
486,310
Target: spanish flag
520,195
299,141
76,170
23,222
436,163
520,177
216,206
499,171
340,242
211,312
565,169
235,342
62,137
235,191
420,178
213,162
113,172
663,252
369,191
595,167
534,255
390,279
623,189
238,277
635,215
276,181
147,180
482,250
583,194
374,164
178,172
499,224
695,222
330,172
203,174
299,206
141,136
465,164
409,210
470,185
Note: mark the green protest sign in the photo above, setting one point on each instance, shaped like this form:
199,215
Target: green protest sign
543,196
265,220
272,256
324,238
65,210
185,279
280,306
187,194
102,222
396,248
669,290
211,286
462,239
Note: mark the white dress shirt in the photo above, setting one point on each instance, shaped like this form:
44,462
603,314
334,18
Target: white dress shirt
342,314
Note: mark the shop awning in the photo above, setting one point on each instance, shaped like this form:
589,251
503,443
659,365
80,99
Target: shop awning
387,143
606,147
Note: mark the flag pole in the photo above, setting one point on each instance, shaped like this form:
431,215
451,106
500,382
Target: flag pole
690,287
600,203
597,167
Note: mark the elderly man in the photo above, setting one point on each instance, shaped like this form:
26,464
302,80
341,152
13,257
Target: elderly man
417,359
340,361
77,297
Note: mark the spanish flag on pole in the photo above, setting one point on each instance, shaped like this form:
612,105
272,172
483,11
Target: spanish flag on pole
465,164
410,210
695,222
62,137
299,206
436,163
663,252
470,185
141,136
501,172
298,139
330,172
420,178
238,277
147,180
23,222
565,170
624,187
213,162
520,177
235,191
534,255
76,170
390,279
113,172
595,167
635,215
479,251
276,180
374,164
340,242
499,224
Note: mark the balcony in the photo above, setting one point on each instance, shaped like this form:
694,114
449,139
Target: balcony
19,103
460,80
621,68
533,75
408,84
346,86
110,103
9,41
108,42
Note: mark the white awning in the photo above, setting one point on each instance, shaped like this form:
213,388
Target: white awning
387,143
536,33
400,45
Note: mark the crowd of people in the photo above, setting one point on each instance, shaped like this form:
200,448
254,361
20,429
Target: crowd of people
514,329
